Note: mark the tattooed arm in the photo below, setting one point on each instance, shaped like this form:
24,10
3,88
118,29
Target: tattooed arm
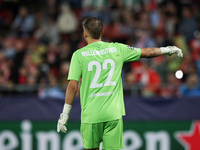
154,52
150,52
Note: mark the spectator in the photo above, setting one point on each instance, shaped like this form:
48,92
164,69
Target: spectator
31,86
143,38
22,79
171,20
188,66
5,71
48,32
99,9
64,69
52,8
160,29
195,46
159,64
23,24
18,59
52,56
8,49
170,89
65,52
67,21
191,88
173,64
188,24
149,80
53,91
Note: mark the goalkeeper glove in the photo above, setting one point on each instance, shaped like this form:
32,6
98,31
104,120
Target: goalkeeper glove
62,122
171,50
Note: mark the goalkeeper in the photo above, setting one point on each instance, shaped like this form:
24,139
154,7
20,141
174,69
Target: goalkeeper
99,66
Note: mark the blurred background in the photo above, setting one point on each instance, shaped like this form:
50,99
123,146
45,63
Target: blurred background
37,40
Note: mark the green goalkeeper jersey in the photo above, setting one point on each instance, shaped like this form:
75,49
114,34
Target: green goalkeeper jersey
99,66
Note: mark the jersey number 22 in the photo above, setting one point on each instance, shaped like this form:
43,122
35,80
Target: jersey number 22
108,81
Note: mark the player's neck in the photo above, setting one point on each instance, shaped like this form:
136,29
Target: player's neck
90,40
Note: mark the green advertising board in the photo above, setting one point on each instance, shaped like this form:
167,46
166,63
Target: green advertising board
138,135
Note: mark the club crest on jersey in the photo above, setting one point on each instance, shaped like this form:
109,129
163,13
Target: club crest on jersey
136,49
133,48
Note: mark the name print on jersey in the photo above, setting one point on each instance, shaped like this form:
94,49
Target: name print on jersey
99,52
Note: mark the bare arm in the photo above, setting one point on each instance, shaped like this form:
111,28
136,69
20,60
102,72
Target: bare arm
154,51
150,52
69,99
71,92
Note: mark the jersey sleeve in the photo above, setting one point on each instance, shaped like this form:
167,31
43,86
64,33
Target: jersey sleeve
129,53
75,69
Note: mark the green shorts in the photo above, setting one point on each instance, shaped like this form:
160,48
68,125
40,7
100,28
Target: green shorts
109,133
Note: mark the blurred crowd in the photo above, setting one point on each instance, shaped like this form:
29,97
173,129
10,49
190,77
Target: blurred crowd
38,38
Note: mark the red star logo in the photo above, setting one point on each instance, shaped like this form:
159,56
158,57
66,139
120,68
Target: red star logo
190,140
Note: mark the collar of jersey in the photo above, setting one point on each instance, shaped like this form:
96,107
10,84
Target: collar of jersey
95,42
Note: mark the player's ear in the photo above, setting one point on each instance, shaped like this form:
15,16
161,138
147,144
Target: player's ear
85,34
102,33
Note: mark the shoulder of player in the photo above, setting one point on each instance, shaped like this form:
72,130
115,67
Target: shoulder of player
116,44
124,46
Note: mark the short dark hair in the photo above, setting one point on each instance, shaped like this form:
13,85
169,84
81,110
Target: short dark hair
94,27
